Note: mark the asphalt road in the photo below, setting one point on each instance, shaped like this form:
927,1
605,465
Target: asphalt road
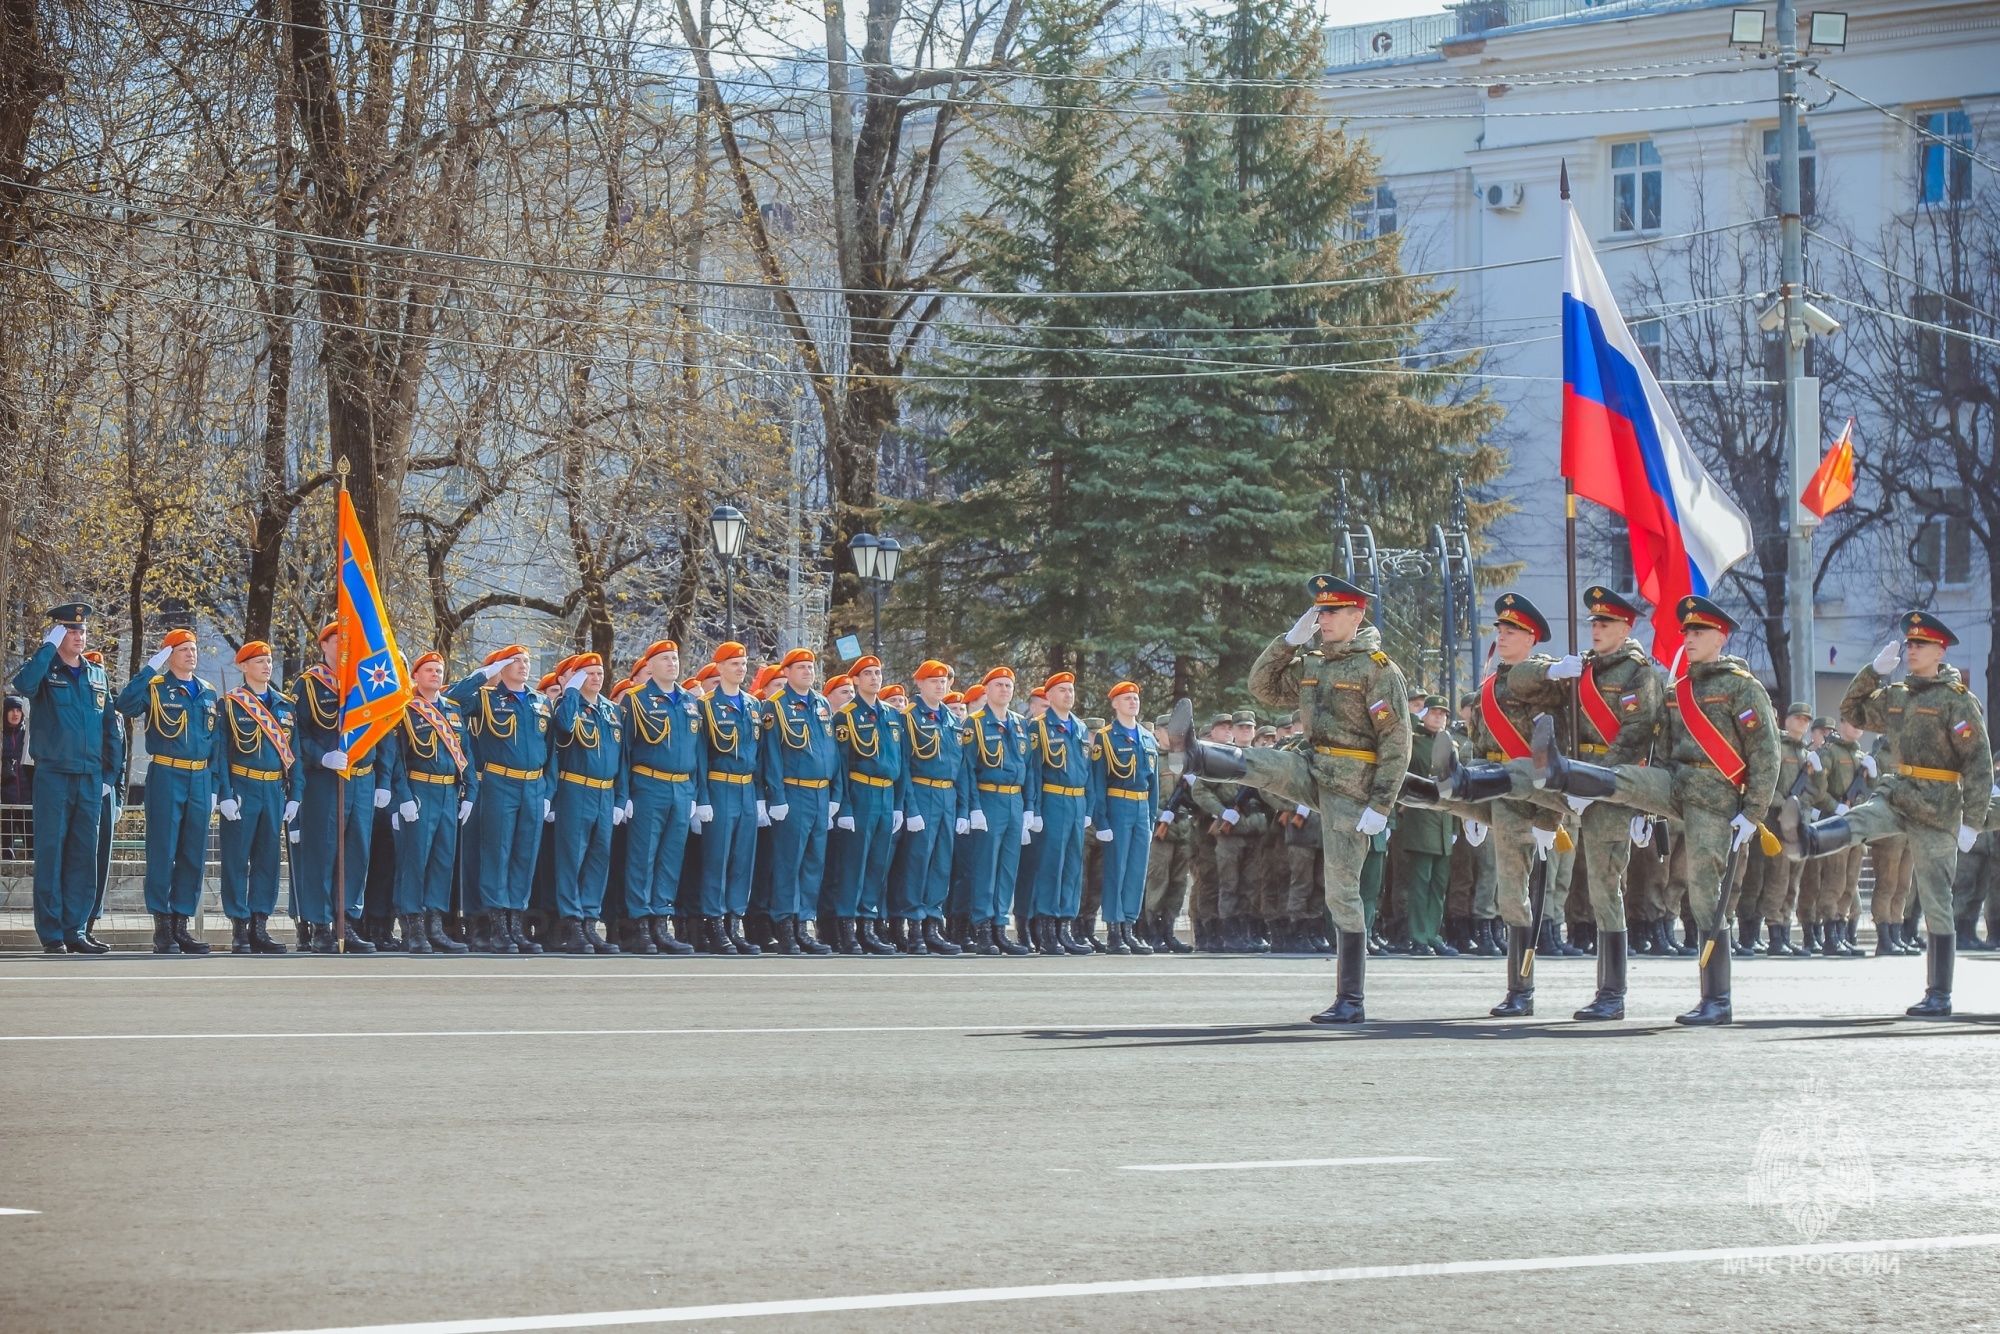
240,1145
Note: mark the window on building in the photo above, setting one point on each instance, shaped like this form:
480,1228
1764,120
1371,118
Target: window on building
1377,216
1944,157
1943,550
1808,172
1943,363
1635,187
1651,336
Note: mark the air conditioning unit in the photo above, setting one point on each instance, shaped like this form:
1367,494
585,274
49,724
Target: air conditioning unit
1503,196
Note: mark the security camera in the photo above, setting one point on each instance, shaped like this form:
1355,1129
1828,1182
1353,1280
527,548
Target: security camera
1772,319
1818,321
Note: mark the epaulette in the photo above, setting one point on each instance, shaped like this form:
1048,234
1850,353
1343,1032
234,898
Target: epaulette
1739,671
1381,658
1959,686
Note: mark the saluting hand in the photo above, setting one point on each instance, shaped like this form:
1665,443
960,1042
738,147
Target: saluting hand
1886,660
1304,628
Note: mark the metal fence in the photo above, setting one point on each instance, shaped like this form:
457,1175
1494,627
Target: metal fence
128,841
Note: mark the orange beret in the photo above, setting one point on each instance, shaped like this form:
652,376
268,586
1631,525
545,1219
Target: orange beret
692,683
256,648
835,683
863,663
326,631
1123,688
930,669
1060,679
620,689
765,675
175,638
92,655
796,656
996,674
954,697
708,672
546,681
895,690
658,646
1039,692
583,660
724,652
423,658
974,695
502,654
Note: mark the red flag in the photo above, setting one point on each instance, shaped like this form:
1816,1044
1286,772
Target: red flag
1832,483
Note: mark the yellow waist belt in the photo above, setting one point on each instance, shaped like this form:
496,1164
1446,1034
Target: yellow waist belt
931,782
1934,775
1592,748
1004,789
1129,793
598,783
524,775
813,783
866,781
420,776
1497,756
645,772
261,775
1365,756
1051,789
717,776
195,765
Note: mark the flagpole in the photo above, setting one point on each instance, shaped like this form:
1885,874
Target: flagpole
339,715
1569,548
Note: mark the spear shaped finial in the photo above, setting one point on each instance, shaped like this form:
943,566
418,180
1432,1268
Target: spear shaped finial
1565,178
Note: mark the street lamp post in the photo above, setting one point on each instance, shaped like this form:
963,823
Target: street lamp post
875,562
727,526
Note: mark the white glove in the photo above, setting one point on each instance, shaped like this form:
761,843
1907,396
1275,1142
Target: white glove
1230,815
844,822
107,792
977,820
291,811
464,811
408,810
1166,817
1036,818
1086,821
1886,660
492,669
573,681
334,759
915,824
1996,790
895,823
702,814
1967,836
55,634
1475,832
1840,808
1303,812
617,816
1027,836
832,808
381,797
211,803
1812,760
396,822
1566,668
292,834
1578,804
628,808
548,811
1545,841
231,808
763,816
159,660
1372,822
1867,762
1304,628
1642,831
1746,829
961,826
779,812
1104,836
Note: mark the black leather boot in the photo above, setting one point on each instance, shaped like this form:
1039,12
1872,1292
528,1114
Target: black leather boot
1520,1000
186,939
1714,1006
1609,1003
519,932
667,939
498,939
714,939
1885,939
1796,950
352,943
1169,943
1554,773
1085,930
1115,934
323,941
416,939
1067,939
979,939
809,943
1204,759
591,937
847,939
260,935
239,935
732,926
1936,1003
871,938
1350,966
1746,938
1419,791
786,932
1134,943
163,935
1815,838
570,940
441,941
911,937
304,930
1013,949
934,939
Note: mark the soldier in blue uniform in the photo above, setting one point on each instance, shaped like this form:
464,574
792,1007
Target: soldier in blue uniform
1125,792
870,736
258,782
509,723
802,793
940,802
1058,743
590,801
178,711
66,736
115,763
730,730
316,722
1006,787
428,763
664,782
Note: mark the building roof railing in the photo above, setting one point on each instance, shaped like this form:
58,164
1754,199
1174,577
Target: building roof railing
1419,37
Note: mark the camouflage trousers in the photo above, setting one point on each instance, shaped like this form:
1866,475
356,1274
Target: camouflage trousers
1977,885
1704,835
1603,834
1836,887
1305,891
1236,875
1933,855
1202,893
1287,775
1890,858
1513,846
1169,870
1771,885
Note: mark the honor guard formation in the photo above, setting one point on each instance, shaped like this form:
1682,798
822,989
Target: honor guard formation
728,813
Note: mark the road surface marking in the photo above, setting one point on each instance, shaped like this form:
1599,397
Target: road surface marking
1275,1162
20,1211
1137,1027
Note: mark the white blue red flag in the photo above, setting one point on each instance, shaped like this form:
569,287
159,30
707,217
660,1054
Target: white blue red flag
374,685
1623,448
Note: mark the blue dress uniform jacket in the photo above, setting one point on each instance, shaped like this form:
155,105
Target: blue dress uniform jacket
113,788
731,750
510,744
940,796
874,769
590,773
1062,749
1005,785
316,713
665,781
803,775
259,776
67,707
1125,765
179,718
428,760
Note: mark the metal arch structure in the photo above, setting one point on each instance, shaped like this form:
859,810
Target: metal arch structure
1422,600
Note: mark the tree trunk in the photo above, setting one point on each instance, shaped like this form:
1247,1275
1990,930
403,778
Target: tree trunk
142,565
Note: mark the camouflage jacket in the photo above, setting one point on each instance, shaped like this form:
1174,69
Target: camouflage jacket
1418,829
1352,698
1936,728
1524,690
1631,687
1733,699
1839,757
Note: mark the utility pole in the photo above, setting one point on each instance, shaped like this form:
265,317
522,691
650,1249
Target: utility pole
1801,426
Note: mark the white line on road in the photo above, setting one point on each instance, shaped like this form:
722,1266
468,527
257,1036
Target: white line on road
1275,1162
667,1315
20,1211
1136,1026
747,969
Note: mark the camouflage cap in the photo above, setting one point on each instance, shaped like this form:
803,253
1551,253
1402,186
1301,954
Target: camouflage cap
1435,702
1799,709
1163,719
1823,723
1219,720
1267,730
1242,716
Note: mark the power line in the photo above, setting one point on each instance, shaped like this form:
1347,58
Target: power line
1917,283
1962,149
1944,329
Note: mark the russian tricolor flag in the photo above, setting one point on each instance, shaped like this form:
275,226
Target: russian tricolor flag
1622,448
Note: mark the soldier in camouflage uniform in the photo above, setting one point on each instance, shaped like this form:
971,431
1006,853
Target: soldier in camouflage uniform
1938,796
1977,884
1170,861
1771,884
1203,915
1349,694
1720,750
1421,846
1301,864
1838,879
1234,822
